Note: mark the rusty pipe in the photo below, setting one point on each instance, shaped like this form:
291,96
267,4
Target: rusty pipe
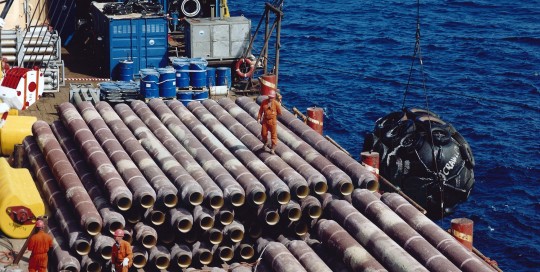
203,217
140,256
311,207
371,237
134,214
278,256
102,246
440,239
291,211
218,132
363,178
245,250
236,135
77,240
166,192
128,233
328,255
155,216
305,254
315,179
90,263
191,236
60,250
337,239
119,194
338,181
202,253
234,231
181,255
67,178
299,228
190,191
112,220
268,214
160,257
240,267
231,187
181,219
145,235
393,225
166,234
213,194
143,193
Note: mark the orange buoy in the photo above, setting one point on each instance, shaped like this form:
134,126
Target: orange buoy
315,118
268,83
462,230
371,162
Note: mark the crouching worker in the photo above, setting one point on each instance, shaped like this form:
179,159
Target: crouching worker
122,255
39,243
268,112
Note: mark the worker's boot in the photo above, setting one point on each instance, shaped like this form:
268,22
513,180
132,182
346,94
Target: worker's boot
267,147
273,150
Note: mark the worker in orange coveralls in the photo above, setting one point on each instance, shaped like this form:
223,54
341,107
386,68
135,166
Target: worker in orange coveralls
39,243
122,255
268,112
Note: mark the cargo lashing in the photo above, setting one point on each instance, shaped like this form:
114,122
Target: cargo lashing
21,215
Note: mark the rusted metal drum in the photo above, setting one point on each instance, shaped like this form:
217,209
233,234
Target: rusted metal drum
268,83
371,162
315,119
462,230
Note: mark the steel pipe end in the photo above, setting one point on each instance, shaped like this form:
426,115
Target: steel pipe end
226,217
206,222
93,266
282,197
344,188
225,253
255,231
162,262
246,251
82,248
271,217
157,217
236,235
257,197
314,212
319,187
372,185
106,252
114,226
215,236
205,257
237,199
300,190
215,201
170,200
300,228
184,225
93,227
146,200
294,214
148,241
195,198
123,203
139,260
184,260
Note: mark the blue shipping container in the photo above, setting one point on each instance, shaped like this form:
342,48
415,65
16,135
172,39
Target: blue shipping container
143,39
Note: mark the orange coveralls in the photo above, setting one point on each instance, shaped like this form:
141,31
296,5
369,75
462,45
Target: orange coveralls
39,244
268,113
118,255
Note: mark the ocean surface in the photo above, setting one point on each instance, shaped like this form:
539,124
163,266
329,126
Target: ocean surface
480,72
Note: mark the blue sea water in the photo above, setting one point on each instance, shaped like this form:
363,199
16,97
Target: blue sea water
481,70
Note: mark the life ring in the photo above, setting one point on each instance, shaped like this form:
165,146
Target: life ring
187,5
239,65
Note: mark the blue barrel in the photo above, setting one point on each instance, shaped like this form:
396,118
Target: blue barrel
223,75
125,70
210,77
200,95
197,73
149,83
167,82
185,97
181,65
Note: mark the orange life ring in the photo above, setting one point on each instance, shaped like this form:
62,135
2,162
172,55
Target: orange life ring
238,65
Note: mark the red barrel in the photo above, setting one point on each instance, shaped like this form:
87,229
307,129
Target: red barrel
315,119
371,162
462,230
268,83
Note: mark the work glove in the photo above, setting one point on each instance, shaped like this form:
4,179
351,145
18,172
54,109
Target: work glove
113,270
125,262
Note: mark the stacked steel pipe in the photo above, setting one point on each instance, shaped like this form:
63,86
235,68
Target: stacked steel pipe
210,177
